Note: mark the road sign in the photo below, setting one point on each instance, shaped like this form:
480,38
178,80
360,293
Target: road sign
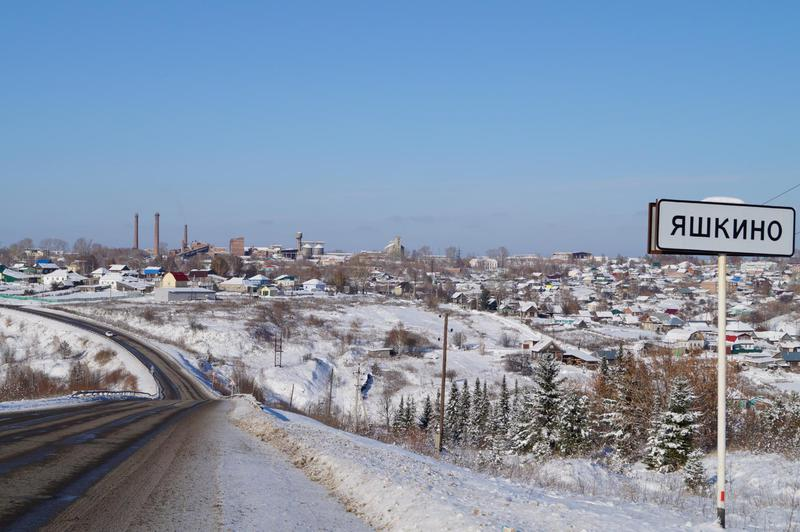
683,227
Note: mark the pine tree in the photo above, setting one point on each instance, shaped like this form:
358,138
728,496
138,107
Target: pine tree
425,419
452,428
694,474
670,442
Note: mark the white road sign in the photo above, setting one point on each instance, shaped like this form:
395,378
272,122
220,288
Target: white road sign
709,228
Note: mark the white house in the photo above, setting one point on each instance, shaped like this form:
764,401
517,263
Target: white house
314,285
63,277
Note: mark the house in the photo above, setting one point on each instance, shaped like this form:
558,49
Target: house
688,339
577,357
15,276
98,273
152,271
175,280
547,347
403,288
258,280
123,283
286,282
791,358
314,285
118,268
235,284
528,309
609,355
269,291
62,277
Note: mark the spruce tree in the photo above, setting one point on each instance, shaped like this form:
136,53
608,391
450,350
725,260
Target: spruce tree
573,424
397,421
452,430
425,419
694,473
670,442
464,412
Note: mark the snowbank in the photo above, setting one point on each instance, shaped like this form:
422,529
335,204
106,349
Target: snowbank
396,489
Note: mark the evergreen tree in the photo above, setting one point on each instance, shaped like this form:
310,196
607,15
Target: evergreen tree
464,412
694,474
541,427
481,413
618,424
670,442
504,405
397,421
411,413
573,424
452,427
425,419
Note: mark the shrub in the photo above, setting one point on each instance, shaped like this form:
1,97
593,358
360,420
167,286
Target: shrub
196,325
104,356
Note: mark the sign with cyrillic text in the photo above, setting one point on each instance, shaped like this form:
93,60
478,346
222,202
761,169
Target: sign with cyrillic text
707,228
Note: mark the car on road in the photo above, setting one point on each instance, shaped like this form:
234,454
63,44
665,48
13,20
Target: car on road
110,334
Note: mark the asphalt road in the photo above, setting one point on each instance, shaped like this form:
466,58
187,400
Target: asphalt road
49,458
172,464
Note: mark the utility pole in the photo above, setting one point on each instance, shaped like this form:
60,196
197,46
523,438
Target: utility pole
722,282
279,350
330,393
444,386
357,394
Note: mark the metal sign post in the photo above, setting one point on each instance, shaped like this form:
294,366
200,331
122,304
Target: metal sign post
722,364
721,227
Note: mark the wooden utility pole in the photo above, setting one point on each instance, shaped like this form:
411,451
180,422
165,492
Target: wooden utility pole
291,397
444,385
357,394
330,393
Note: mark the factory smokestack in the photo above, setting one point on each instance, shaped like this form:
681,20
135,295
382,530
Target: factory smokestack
185,237
156,242
299,238
136,231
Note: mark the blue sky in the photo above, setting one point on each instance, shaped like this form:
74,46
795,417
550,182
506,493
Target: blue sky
538,126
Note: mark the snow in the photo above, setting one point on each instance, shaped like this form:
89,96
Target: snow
33,339
396,489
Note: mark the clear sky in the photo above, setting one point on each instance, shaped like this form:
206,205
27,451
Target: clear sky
538,126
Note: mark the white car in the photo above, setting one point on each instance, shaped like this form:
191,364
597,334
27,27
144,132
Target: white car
110,334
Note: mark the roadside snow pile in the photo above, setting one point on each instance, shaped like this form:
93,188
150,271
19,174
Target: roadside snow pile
396,489
53,348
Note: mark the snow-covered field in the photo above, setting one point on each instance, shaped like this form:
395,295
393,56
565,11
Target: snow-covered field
326,336
52,347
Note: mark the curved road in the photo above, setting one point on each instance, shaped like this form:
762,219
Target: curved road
49,458
171,464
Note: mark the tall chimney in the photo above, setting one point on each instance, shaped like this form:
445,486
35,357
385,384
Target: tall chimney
185,237
156,248
299,237
136,231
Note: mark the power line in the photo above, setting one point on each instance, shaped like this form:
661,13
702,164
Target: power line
781,194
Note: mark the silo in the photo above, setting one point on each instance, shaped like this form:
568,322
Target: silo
306,251
319,249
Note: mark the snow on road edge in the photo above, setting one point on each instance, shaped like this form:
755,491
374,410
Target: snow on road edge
395,489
